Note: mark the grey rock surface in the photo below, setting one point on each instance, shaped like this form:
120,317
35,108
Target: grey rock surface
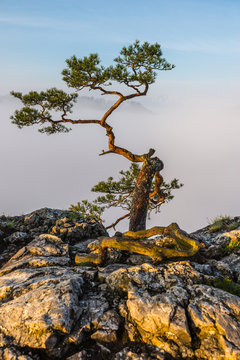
17,231
134,309
39,294
215,317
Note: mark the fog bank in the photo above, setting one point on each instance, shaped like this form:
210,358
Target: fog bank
195,133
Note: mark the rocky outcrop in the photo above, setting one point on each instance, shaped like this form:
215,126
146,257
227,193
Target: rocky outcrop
17,231
168,307
130,309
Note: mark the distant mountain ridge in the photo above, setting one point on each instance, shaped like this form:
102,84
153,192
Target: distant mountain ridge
94,103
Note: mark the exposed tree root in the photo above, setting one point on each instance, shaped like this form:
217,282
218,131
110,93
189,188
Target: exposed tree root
129,242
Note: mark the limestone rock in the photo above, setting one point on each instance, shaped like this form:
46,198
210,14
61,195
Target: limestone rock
74,228
158,317
134,310
40,221
82,355
39,303
215,316
46,250
11,353
106,326
215,242
153,278
93,307
10,244
160,305
18,231
233,235
233,262
127,354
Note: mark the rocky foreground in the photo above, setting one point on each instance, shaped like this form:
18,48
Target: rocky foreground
130,308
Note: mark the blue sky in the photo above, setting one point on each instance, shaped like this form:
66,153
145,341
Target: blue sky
195,108
201,37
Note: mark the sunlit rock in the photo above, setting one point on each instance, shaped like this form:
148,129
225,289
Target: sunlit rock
215,315
39,299
130,308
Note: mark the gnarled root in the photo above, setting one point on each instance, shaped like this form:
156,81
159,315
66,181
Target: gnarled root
129,242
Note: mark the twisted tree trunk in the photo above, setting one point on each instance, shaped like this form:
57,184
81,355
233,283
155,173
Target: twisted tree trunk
140,200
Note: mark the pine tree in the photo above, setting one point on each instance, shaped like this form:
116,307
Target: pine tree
135,69
119,194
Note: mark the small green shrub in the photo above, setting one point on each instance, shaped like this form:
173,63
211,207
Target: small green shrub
234,225
85,208
74,216
10,224
222,223
218,225
225,284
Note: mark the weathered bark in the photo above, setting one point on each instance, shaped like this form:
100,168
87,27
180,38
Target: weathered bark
140,200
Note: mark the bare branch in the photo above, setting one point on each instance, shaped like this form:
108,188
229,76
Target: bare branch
106,152
117,221
78,121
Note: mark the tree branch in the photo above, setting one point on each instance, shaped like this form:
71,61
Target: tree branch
112,108
106,92
75,121
117,221
121,151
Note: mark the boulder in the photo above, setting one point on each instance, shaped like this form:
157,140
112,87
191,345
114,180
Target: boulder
168,309
72,227
40,295
215,319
